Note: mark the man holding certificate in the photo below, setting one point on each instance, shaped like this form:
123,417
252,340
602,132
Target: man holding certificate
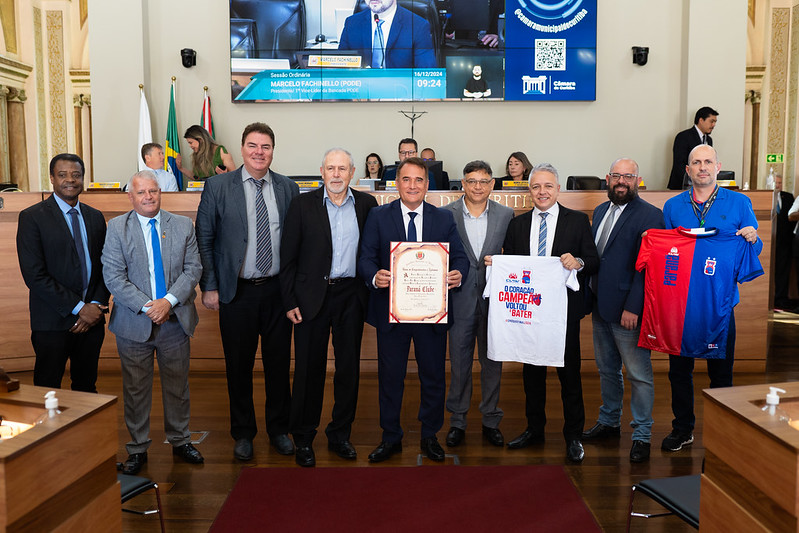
398,271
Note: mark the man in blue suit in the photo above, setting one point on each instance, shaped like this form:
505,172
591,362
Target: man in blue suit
389,36
408,219
618,299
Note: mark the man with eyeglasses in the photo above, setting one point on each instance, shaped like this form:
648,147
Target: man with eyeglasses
617,291
408,219
408,148
482,224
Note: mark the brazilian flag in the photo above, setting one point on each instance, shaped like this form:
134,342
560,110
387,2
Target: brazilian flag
172,145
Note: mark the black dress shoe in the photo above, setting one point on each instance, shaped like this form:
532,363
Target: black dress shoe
188,453
385,450
282,444
639,452
304,456
343,449
494,436
528,438
432,449
574,451
455,437
601,431
134,463
243,450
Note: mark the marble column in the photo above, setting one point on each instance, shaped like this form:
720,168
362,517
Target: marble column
77,104
17,143
754,100
5,172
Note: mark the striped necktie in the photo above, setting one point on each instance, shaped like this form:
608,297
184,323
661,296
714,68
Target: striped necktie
542,235
263,237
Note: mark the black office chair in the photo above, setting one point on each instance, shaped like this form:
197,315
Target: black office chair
425,9
585,183
132,486
680,495
275,27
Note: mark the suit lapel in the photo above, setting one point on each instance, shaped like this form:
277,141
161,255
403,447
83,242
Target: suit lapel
167,241
140,250
625,215
396,215
60,222
234,197
458,214
396,28
320,209
598,216
560,228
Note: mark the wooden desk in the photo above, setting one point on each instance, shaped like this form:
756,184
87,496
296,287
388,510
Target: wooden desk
17,353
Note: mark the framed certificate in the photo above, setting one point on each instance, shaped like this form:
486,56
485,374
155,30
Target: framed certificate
418,288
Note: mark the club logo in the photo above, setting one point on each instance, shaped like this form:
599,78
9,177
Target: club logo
526,277
710,266
420,255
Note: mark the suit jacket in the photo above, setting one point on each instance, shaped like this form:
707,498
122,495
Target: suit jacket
473,285
127,273
222,228
306,251
684,142
50,265
785,227
618,286
572,235
384,225
409,45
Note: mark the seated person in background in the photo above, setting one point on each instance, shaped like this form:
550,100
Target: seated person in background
153,156
408,148
428,154
373,168
487,36
477,86
389,36
208,158
517,168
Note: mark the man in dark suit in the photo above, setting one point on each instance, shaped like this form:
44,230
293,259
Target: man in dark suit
322,293
704,121
428,154
618,299
481,226
239,222
389,36
408,219
557,231
151,266
410,148
59,243
783,244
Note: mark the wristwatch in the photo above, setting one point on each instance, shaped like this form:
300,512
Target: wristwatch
582,263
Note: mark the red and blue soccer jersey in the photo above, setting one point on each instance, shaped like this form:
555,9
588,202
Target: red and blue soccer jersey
689,289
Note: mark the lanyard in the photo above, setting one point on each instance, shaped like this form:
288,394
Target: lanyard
700,214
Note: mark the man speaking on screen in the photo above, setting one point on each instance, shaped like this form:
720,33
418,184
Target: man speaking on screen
389,36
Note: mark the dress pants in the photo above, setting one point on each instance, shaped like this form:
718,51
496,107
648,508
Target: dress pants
342,313
171,345
393,347
53,348
467,329
614,346
571,389
256,312
682,385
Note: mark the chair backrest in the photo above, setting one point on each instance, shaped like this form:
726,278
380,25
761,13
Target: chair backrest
278,27
584,183
425,9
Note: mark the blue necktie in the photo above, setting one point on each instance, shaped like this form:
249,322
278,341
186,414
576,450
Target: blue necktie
263,237
412,227
378,46
542,235
158,262
78,238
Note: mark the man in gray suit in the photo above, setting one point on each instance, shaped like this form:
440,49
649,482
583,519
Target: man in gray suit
151,266
481,225
239,226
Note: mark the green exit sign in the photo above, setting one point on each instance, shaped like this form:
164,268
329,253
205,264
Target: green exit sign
775,158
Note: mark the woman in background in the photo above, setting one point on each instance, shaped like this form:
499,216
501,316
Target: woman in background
517,168
373,169
208,158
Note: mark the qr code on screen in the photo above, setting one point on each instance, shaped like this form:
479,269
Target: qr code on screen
550,54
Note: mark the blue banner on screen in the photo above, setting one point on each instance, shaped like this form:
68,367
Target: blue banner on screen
413,50
347,84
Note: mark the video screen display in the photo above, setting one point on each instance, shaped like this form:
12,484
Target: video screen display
412,50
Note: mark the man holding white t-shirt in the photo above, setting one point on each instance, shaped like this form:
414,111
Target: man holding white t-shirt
553,230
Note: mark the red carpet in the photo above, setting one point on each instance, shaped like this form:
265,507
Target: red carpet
412,499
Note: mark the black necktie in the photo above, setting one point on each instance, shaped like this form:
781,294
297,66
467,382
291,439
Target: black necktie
412,227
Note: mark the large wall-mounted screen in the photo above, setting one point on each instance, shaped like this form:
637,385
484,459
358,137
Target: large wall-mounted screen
412,50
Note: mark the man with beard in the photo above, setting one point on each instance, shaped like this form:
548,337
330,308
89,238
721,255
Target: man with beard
477,87
618,299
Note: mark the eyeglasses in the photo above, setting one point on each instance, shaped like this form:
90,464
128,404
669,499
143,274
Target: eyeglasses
472,183
408,152
615,176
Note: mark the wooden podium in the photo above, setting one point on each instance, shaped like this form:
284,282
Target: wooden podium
60,475
751,477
